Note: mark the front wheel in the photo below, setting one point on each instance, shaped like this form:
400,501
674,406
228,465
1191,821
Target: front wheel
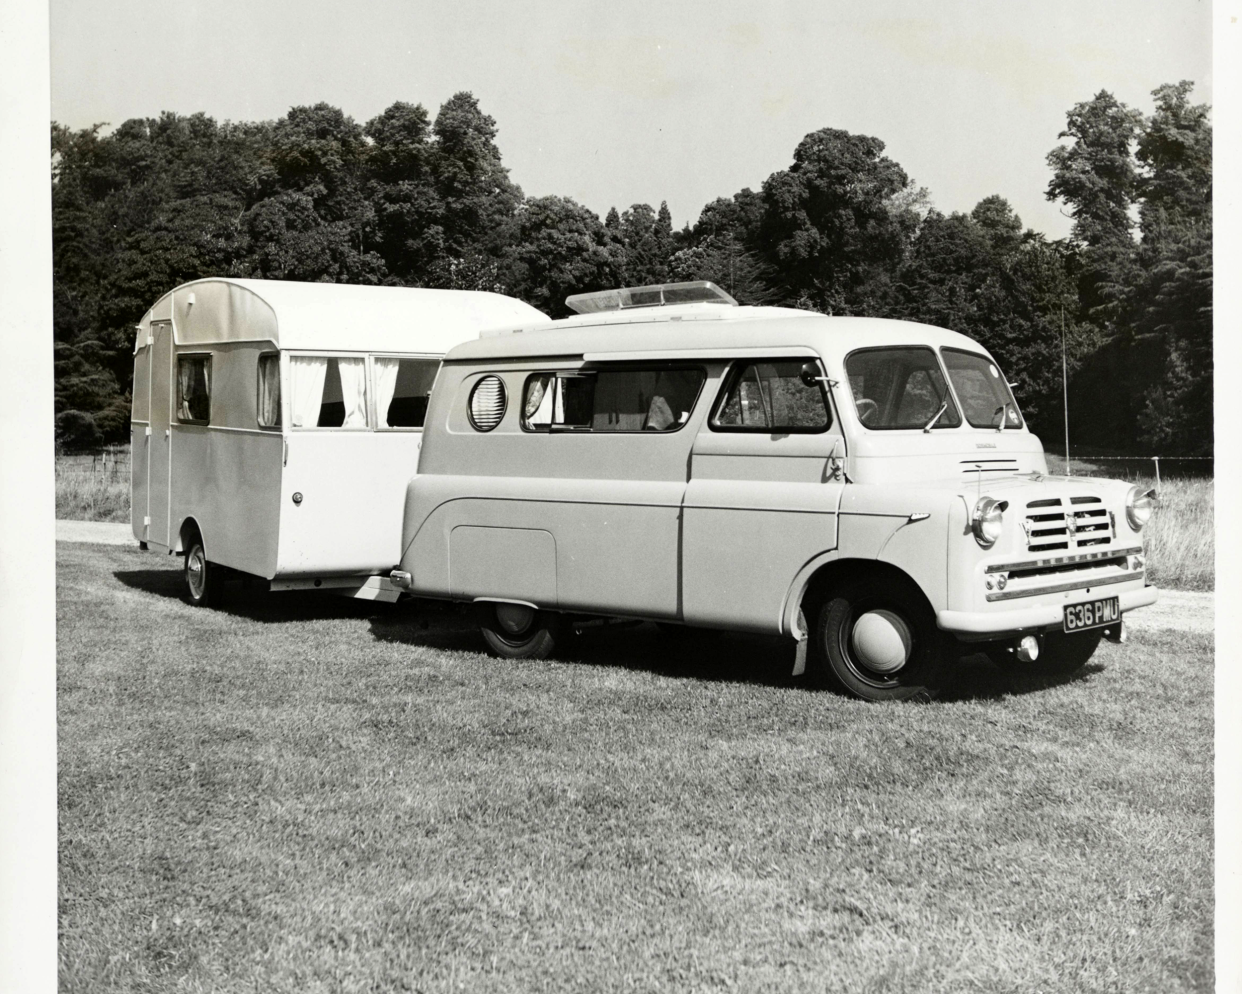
877,641
515,631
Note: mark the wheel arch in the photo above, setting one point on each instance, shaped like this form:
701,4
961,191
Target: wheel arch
825,571
189,530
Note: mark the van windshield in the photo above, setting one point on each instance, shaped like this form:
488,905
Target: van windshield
900,388
982,390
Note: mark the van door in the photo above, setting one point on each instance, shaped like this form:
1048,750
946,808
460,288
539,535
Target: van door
765,489
159,452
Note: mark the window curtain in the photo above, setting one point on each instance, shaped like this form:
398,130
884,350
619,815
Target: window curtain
385,387
185,374
354,391
269,391
306,376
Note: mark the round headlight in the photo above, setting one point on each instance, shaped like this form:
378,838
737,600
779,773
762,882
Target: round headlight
1139,504
986,520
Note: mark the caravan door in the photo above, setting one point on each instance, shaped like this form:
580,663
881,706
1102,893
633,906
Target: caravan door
160,443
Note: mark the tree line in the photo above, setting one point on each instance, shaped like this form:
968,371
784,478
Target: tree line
409,200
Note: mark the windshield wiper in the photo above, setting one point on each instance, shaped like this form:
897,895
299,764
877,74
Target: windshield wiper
943,407
1002,411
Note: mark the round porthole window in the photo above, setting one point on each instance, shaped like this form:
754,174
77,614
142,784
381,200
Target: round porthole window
487,403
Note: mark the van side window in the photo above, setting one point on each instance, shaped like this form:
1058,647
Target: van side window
269,391
900,387
328,391
770,396
402,389
194,389
612,399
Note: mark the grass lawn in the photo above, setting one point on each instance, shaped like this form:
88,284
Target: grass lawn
304,794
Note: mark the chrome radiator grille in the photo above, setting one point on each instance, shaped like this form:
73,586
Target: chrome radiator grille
1056,523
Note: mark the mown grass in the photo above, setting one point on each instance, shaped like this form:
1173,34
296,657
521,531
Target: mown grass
92,488
305,794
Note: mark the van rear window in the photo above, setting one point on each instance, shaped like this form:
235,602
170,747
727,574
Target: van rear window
604,399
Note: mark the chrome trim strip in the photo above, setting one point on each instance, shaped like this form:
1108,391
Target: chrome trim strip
1009,595
1084,557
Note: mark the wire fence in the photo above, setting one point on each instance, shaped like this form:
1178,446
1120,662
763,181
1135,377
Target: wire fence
1129,466
110,463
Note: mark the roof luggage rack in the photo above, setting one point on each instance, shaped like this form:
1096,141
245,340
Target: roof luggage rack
659,295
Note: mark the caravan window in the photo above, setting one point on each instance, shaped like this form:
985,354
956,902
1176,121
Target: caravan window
194,389
611,399
328,391
402,389
269,391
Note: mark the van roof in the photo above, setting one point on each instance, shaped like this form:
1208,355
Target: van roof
331,316
701,331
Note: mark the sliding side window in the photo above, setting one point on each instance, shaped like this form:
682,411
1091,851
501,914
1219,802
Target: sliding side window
771,396
630,398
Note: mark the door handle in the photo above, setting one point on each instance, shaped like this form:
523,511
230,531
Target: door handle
167,432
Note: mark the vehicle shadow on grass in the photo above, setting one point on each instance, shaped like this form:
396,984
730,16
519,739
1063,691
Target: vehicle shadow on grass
695,654
255,604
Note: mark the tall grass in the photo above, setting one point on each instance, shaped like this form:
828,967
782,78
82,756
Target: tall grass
1181,536
93,487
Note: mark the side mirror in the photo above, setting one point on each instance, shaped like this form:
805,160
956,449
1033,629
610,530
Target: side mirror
809,374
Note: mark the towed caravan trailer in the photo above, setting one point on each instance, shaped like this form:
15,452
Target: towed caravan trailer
276,424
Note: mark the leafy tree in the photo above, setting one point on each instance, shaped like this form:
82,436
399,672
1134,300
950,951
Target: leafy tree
1098,179
557,248
828,225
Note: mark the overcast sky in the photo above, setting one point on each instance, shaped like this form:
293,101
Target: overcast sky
623,102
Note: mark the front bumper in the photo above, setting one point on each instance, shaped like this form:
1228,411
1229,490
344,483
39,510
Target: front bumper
1035,617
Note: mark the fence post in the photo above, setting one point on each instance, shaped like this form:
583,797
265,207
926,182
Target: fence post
1156,460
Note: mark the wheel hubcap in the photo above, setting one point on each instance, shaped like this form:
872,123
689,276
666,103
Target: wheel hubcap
194,572
514,618
881,641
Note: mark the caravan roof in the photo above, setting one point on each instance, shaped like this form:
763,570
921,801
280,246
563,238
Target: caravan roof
331,316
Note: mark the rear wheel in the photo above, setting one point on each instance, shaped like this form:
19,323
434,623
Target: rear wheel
516,631
878,641
202,579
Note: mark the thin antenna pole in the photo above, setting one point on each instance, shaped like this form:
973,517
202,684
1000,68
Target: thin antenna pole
1065,393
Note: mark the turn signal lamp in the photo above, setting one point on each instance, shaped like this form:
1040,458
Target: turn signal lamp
659,295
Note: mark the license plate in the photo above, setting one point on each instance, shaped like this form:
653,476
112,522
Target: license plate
1092,614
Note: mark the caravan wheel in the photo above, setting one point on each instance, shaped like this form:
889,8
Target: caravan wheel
202,580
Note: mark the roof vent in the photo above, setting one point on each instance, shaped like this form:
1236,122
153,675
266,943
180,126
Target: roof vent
662,294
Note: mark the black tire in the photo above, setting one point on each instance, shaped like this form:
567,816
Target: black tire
514,632
834,661
202,578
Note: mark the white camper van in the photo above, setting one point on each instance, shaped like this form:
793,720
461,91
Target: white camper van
275,424
866,487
